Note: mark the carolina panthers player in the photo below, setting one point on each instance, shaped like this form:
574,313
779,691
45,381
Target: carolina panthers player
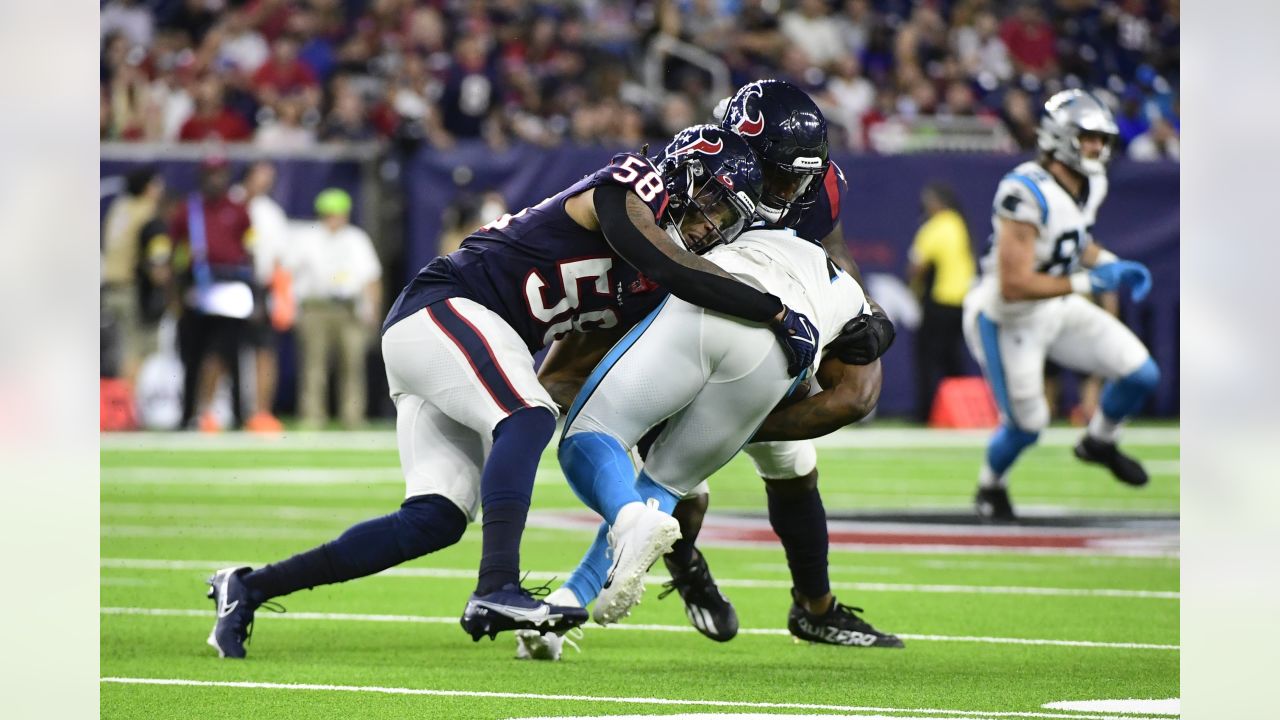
472,419
1031,302
803,190
788,133
716,388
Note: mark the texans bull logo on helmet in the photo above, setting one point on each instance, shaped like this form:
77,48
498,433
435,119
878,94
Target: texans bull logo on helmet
745,125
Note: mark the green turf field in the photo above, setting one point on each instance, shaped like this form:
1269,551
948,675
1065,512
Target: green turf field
990,632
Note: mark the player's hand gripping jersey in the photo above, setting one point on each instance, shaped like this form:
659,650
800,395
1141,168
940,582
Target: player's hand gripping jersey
1031,195
542,271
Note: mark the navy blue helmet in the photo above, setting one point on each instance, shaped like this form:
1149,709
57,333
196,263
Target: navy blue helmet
713,181
788,133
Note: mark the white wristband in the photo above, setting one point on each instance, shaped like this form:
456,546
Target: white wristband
1080,283
1104,257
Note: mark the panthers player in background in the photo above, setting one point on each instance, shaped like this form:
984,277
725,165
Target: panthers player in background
1030,302
472,419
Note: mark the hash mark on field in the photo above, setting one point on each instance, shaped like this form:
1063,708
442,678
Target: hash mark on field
575,698
465,574
429,620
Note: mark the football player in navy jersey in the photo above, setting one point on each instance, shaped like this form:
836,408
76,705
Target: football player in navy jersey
802,193
471,417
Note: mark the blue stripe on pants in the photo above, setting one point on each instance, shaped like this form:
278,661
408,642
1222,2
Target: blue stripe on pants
990,333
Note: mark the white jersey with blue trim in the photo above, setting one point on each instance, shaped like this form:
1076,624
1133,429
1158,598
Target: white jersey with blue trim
798,272
1031,195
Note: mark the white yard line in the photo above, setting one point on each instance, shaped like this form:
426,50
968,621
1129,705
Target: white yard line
377,689
453,620
871,438
462,573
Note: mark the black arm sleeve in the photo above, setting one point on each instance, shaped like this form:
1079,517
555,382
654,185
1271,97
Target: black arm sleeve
690,284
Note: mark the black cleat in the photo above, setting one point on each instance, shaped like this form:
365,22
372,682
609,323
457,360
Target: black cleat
1123,467
840,625
234,622
512,607
707,608
992,504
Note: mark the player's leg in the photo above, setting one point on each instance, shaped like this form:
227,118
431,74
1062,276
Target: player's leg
651,373
745,381
483,377
441,461
1095,342
622,399
1012,356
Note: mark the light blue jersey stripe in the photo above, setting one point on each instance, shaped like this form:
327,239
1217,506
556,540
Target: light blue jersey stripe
1035,190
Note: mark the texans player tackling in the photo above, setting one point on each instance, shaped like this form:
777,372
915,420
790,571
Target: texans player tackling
1032,301
471,417
802,197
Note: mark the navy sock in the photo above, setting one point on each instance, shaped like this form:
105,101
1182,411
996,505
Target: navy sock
690,513
506,486
800,521
422,525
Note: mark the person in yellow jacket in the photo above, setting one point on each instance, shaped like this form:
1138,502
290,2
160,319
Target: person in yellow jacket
941,269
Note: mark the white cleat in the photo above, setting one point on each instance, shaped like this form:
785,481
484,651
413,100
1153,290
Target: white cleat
640,535
537,645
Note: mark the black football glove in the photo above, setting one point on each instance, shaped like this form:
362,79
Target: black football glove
863,339
799,339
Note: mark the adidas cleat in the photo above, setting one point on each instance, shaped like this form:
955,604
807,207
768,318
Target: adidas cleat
235,612
1125,469
992,504
515,608
706,607
840,625
640,535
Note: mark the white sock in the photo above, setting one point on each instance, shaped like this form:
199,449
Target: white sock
987,478
1102,428
563,596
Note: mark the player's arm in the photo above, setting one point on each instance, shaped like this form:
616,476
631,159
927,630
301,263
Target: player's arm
1016,264
629,226
570,360
849,393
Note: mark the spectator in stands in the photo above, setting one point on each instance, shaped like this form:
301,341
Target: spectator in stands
1160,142
338,279
284,74
129,18
981,52
851,95
212,120
941,269
1030,39
123,260
211,256
811,26
347,121
855,26
1019,116
285,133
240,45
274,307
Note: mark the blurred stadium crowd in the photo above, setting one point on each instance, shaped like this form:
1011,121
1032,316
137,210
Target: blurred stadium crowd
287,74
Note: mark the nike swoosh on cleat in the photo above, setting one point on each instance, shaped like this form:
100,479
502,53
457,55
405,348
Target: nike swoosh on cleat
538,614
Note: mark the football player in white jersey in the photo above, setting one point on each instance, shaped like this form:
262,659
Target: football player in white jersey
714,381
1032,301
